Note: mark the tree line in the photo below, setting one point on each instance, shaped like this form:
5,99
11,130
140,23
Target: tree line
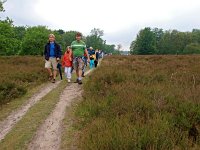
25,40
157,41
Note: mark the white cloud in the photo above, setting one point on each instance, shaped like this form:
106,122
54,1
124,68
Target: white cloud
118,18
110,15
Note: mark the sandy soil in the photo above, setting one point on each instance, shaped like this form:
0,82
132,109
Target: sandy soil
48,136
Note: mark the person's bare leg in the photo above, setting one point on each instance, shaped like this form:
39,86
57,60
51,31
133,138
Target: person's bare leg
49,71
80,73
77,74
54,74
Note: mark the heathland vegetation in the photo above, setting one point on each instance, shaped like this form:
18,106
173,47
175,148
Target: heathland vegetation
18,75
141,102
129,102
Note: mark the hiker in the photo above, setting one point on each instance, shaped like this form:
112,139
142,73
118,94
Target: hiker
97,58
52,53
67,63
101,54
92,57
85,64
78,49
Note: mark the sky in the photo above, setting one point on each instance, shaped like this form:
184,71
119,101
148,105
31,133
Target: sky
121,20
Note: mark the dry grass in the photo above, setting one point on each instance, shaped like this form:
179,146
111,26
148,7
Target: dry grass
18,75
141,102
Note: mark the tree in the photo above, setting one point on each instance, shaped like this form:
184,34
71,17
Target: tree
19,32
97,32
119,47
68,37
1,5
109,48
9,44
164,46
132,47
60,31
165,42
196,35
192,48
34,40
145,43
177,43
94,41
173,42
158,33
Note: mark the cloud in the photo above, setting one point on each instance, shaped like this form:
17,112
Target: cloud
23,12
181,20
120,19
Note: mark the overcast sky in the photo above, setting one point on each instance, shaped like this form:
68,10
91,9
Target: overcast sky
120,19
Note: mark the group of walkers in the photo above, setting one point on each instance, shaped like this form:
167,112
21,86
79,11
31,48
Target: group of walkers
76,57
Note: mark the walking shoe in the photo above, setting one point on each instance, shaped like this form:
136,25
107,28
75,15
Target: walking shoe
76,81
54,80
68,80
80,82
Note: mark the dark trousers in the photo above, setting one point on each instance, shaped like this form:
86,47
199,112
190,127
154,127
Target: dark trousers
85,65
96,63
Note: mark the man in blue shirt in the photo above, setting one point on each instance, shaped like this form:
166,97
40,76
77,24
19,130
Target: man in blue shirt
52,48
52,55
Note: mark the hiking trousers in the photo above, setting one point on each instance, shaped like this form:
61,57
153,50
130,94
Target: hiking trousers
68,73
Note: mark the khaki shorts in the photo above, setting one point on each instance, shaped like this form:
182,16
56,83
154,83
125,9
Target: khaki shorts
78,63
52,62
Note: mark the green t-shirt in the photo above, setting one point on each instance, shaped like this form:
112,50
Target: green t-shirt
78,48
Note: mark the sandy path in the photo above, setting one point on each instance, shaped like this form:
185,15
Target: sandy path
48,136
7,124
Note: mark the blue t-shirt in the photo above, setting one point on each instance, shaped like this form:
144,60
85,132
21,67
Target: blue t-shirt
52,50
